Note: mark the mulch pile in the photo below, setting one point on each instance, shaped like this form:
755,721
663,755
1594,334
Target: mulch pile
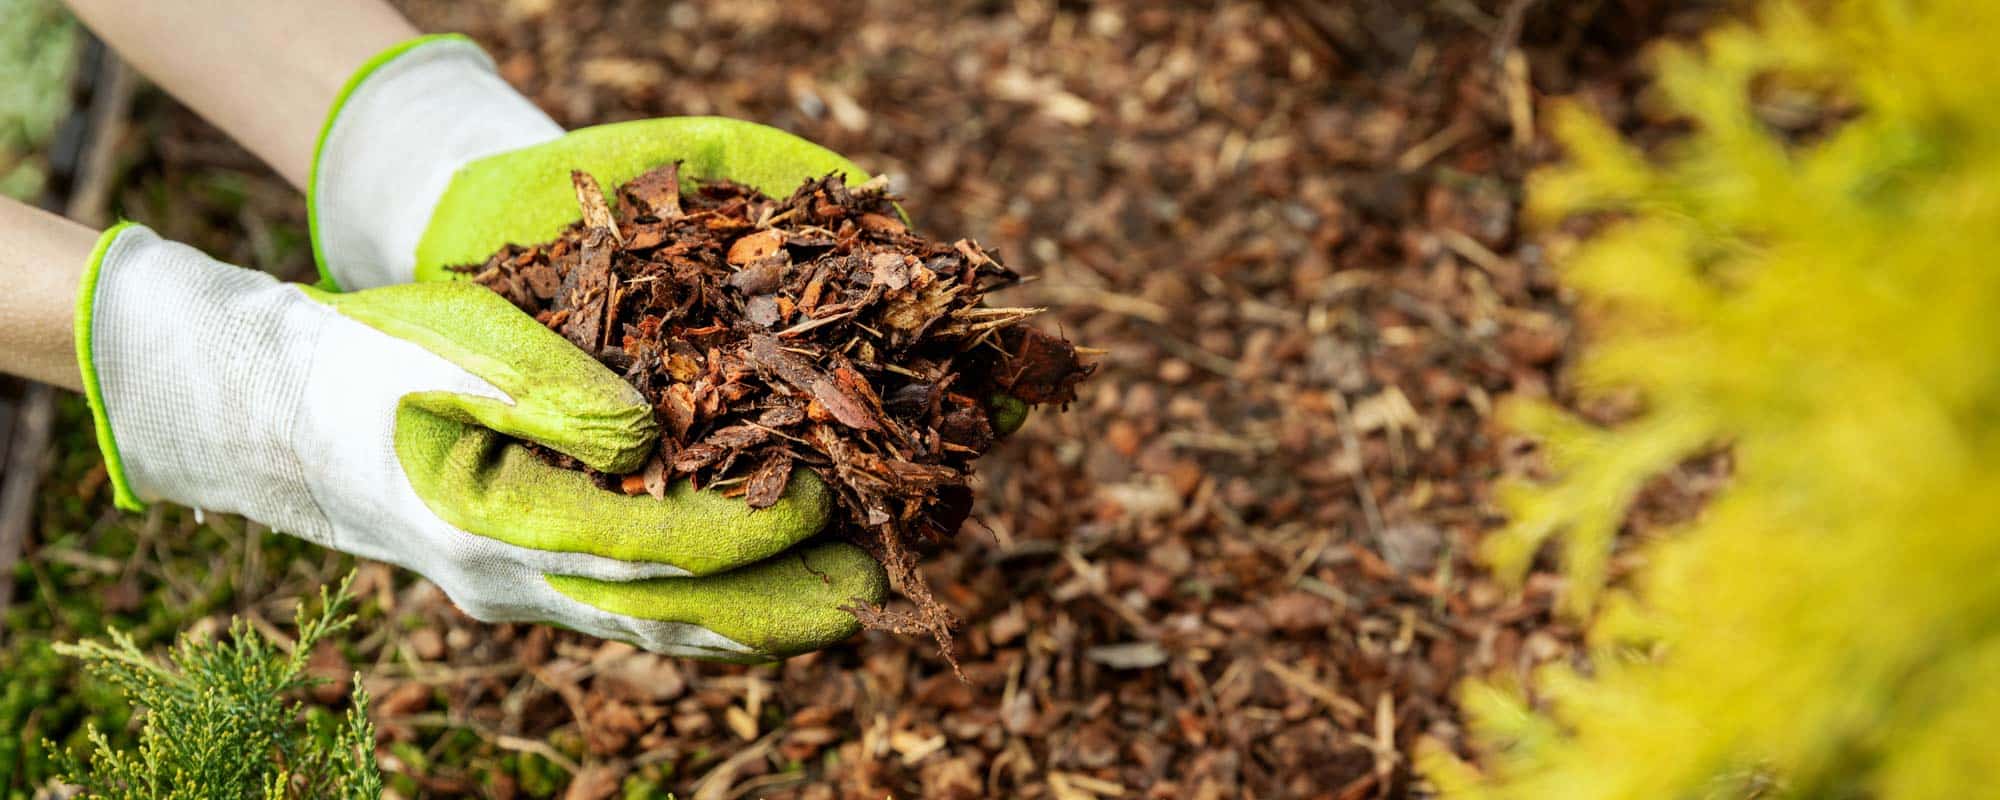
814,332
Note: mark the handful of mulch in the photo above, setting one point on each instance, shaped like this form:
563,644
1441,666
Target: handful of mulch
815,331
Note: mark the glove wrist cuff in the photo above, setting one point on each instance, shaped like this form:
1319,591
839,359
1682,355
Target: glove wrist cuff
93,388
193,374
397,133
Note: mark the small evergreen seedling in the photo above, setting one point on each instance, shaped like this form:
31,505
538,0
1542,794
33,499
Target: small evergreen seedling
218,722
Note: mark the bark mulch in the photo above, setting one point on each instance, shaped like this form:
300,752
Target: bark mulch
1244,563
814,332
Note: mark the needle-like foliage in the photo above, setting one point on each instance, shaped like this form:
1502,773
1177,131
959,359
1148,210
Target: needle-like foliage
1810,278
218,722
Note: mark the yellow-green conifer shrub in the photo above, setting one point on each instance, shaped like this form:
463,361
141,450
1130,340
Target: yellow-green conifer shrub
1829,306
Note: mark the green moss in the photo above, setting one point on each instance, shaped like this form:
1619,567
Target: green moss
538,777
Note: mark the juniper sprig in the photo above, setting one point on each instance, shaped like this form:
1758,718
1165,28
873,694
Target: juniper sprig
218,720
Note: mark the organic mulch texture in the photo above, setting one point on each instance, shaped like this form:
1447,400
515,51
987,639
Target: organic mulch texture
1244,564
814,332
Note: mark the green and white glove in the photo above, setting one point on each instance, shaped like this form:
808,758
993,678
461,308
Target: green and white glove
430,160
379,423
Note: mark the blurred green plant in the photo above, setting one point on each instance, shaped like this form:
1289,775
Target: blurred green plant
217,722
1808,276
37,51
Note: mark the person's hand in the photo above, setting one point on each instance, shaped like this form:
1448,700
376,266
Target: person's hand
429,160
385,423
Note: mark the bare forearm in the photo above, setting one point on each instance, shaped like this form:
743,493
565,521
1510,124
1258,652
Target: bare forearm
42,257
264,71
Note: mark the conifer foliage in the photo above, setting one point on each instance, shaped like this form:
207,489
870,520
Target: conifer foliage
219,722
1808,277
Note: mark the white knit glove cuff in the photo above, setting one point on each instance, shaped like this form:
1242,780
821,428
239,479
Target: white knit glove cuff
407,121
197,369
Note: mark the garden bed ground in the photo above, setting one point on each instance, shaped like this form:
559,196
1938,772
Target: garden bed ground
1241,566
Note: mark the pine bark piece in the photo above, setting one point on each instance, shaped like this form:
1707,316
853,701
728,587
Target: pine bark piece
756,246
1046,369
655,194
802,375
767,484
596,212
593,287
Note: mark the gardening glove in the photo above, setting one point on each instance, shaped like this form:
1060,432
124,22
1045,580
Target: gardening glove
386,423
429,160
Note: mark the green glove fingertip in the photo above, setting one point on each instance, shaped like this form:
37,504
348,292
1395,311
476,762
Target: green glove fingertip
780,607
